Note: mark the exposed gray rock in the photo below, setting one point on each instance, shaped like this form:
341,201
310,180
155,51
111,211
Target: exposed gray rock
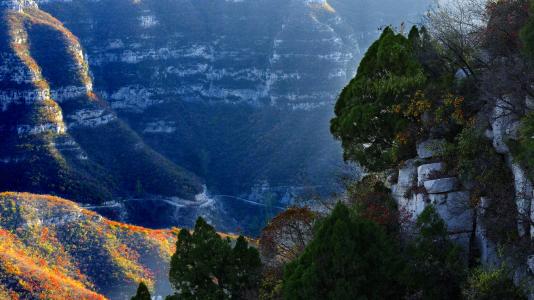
412,206
530,264
90,118
529,102
407,174
523,197
430,148
18,5
488,249
442,185
455,210
424,171
502,125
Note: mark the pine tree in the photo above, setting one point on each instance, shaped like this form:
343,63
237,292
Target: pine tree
435,268
349,258
205,266
367,122
246,273
142,293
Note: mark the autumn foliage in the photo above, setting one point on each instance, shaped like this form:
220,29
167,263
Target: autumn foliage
50,247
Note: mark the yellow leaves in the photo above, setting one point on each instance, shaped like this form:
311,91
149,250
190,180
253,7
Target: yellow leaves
417,105
452,107
402,138
34,274
40,247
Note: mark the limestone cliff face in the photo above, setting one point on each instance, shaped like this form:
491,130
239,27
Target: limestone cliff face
422,181
50,116
235,83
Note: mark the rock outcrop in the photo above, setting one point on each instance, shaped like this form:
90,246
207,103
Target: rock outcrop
423,181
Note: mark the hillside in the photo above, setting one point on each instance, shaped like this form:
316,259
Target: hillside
227,88
57,135
50,248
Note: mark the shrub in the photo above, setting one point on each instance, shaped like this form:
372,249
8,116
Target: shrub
142,293
434,266
373,201
491,285
487,175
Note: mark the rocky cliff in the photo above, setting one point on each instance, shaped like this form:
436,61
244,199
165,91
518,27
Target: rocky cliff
424,181
103,100
50,118
224,88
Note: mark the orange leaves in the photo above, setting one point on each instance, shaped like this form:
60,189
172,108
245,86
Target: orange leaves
41,247
44,234
34,275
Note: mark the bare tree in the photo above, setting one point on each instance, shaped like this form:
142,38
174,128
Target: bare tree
286,236
457,26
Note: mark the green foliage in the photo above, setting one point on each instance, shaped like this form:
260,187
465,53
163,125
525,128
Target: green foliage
527,33
271,285
142,293
523,150
205,266
491,285
366,121
478,164
349,258
434,267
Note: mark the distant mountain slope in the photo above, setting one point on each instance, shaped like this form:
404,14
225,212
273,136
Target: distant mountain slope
57,136
50,248
239,92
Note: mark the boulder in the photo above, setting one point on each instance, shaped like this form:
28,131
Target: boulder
424,171
430,148
442,185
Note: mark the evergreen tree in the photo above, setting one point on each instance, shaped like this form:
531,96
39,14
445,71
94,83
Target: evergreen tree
372,130
435,269
205,266
246,272
142,293
527,33
349,258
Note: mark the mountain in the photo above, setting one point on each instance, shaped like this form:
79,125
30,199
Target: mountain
57,135
120,100
51,248
239,92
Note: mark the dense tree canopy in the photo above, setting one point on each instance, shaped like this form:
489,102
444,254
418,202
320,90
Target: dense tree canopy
349,258
372,131
205,266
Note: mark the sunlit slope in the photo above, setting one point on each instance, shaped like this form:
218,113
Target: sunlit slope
51,248
57,136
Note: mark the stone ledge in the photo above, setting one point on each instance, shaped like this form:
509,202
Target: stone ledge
424,171
442,185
